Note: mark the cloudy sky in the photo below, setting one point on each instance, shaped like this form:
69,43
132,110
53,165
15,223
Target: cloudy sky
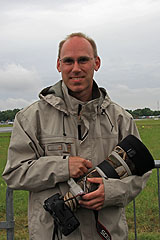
127,34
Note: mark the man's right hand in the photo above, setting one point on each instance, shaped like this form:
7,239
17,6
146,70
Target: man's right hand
78,166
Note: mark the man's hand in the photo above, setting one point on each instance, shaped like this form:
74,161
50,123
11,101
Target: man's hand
78,166
94,200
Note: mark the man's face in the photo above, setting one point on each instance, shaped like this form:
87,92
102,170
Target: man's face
77,65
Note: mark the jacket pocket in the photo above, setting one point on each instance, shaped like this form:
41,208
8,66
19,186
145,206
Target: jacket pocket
56,146
57,149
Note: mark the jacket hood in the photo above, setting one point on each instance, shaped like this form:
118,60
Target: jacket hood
56,90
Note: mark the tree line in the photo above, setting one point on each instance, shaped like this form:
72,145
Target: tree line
139,113
9,115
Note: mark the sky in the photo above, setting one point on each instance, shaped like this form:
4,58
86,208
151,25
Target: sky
127,34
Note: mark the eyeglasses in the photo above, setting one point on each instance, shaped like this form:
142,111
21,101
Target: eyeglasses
81,60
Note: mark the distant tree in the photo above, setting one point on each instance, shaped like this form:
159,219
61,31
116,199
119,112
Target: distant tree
8,115
137,113
156,113
146,112
143,112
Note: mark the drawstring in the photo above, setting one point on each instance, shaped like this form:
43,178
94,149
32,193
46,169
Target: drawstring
64,131
104,112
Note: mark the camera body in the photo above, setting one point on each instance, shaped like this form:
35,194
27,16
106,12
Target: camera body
63,216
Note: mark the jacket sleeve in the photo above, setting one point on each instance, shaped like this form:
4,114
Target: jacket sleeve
121,192
27,168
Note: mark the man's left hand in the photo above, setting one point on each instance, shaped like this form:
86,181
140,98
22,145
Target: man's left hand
94,200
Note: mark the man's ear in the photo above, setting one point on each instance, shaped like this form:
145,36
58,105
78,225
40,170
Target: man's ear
97,63
58,65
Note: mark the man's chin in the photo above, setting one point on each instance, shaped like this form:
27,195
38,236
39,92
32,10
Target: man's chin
76,89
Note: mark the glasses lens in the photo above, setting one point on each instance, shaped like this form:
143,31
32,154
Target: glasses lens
83,60
80,60
68,61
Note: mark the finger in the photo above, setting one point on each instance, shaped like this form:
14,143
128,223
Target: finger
88,163
78,173
84,169
95,194
95,180
97,207
91,204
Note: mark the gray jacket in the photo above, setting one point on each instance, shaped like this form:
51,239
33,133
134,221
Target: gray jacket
45,134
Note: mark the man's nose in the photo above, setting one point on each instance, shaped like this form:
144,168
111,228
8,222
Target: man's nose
76,67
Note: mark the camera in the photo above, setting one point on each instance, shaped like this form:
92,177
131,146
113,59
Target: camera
129,157
62,214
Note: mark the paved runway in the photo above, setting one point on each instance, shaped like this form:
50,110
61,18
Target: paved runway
6,129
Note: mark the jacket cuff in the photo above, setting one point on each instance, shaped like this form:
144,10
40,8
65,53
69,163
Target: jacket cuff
114,196
63,170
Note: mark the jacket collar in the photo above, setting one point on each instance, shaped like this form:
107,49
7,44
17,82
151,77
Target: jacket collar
58,96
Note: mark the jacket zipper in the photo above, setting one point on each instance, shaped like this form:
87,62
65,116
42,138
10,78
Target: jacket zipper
79,125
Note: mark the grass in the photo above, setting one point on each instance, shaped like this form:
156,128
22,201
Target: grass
146,201
147,212
20,197
6,125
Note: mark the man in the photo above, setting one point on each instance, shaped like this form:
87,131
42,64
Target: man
73,127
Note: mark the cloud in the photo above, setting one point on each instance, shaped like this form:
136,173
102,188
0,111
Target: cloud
135,98
133,74
14,78
13,103
126,32
19,86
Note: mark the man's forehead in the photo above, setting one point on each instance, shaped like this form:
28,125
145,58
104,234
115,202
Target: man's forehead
77,45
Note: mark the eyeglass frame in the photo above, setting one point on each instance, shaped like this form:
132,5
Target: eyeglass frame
87,59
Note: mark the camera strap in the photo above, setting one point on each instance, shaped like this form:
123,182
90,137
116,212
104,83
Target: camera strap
101,230
56,231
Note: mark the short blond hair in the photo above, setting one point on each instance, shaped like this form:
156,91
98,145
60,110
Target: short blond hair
82,35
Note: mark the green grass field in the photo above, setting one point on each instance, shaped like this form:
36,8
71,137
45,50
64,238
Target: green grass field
146,203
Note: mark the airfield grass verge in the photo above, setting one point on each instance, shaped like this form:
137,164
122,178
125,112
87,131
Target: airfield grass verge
6,125
20,197
146,201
